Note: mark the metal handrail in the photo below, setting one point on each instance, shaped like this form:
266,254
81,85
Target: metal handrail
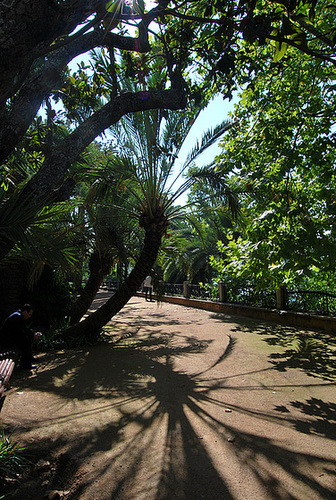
310,301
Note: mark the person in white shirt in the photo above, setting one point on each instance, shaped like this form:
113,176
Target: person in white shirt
148,287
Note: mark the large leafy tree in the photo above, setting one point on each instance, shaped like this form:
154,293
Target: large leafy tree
285,155
203,47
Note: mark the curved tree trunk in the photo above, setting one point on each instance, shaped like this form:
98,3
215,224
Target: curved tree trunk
43,188
100,266
91,326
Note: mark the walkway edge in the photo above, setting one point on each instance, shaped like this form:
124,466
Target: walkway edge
289,318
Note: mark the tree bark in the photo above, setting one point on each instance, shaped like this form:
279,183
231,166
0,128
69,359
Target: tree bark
28,28
15,123
90,327
100,266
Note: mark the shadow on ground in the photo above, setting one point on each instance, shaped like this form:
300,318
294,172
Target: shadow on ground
312,351
132,378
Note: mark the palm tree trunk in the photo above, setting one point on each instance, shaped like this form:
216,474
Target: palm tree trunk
90,327
100,266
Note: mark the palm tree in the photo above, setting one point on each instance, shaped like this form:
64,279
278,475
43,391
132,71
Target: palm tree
106,246
48,242
146,148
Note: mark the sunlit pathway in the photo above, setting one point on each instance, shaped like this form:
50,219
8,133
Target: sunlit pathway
183,404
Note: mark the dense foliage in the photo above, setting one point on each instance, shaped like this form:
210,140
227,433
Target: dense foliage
284,158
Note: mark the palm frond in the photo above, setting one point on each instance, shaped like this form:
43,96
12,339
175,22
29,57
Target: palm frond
222,187
208,139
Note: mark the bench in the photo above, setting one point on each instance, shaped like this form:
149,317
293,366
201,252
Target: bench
7,363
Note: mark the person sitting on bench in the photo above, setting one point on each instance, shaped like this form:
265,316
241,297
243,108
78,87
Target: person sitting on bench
15,334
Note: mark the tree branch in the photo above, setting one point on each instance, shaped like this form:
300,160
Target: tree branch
57,163
29,27
47,186
25,106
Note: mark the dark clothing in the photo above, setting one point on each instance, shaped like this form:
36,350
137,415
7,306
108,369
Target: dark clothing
15,334
148,289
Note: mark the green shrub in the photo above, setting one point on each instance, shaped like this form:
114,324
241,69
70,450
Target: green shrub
12,460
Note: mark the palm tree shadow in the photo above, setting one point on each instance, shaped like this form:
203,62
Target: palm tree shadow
311,351
165,457
135,374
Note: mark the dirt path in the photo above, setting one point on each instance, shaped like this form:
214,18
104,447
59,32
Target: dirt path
181,404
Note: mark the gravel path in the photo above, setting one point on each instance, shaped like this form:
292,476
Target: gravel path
179,404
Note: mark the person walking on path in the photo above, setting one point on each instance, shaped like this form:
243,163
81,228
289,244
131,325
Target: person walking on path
15,334
148,287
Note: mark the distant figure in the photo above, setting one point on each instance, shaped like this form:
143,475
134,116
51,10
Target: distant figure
148,287
15,334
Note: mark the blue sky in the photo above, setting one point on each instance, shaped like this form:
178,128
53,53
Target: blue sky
216,111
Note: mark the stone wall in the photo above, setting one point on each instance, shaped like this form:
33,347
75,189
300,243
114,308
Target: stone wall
289,318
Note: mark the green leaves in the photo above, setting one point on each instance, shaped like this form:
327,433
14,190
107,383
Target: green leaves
82,93
282,154
280,51
223,44
12,459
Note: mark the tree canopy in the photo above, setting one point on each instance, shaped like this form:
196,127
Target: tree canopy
284,157
201,48
177,54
